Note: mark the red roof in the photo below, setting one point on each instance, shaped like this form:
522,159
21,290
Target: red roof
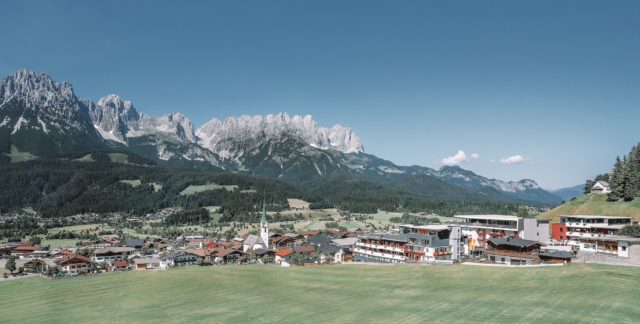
24,248
211,244
312,232
284,252
120,264
74,258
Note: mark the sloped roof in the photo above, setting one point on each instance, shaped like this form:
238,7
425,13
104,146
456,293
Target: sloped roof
348,241
114,249
517,242
131,242
253,239
284,252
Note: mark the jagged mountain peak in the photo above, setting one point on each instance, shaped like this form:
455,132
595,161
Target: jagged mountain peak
36,89
215,134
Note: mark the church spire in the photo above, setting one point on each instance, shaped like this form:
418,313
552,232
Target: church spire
264,212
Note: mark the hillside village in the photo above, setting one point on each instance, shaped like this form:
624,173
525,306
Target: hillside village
485,240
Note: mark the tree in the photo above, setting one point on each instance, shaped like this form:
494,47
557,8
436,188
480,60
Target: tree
617,181
629,179
523,212
298,259
11,264
587,186
631,230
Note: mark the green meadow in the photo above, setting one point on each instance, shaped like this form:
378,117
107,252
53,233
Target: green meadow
193,189
350,293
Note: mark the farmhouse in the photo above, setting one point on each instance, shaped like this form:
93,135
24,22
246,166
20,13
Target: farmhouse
283,256
513,251
119,265
134,243
600,188
24,250
74,263
147,263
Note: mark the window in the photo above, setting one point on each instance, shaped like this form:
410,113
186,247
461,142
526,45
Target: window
624,248
561,229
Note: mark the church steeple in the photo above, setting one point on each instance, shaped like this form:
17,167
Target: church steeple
263,219
264,226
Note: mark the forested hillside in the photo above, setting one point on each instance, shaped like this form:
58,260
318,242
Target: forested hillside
100,183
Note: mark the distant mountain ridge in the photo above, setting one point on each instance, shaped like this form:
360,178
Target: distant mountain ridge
569,193
36,109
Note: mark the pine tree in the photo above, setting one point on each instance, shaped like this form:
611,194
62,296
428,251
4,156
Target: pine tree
617,181
11,264
628,182
634,159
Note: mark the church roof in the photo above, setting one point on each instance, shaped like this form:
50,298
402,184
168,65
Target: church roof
253,239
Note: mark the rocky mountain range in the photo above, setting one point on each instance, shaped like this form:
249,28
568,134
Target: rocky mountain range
43,117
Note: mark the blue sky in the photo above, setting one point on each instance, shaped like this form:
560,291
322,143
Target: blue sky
555,82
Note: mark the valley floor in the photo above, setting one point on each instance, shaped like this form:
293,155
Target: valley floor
575,293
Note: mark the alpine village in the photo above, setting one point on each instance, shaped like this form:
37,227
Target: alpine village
88,189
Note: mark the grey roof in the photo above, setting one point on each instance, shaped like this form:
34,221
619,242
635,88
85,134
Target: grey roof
146,261
113,249
385,236
133,242
513,242
331,249
253,239
349,241
262,251
320,239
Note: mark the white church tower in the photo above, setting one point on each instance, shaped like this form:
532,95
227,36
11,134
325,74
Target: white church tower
264,227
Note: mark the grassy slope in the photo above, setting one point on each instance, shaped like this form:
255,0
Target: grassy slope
594,205
576,293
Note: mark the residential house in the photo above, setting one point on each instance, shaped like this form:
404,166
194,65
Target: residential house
147,263
110,254
229,256
24,251
35,265
283,256
261,255
513,251
120,265
74,263
104,242
134,243
600,188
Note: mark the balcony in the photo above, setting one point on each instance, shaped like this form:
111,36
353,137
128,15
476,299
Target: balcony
492,226
513,254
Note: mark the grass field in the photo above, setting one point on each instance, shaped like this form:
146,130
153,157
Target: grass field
594,205
382,294
193,189
134,183
16,156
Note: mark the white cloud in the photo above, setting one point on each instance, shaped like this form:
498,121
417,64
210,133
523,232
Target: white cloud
457,159
475,156
516,159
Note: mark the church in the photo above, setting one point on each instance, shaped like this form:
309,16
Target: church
254,242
